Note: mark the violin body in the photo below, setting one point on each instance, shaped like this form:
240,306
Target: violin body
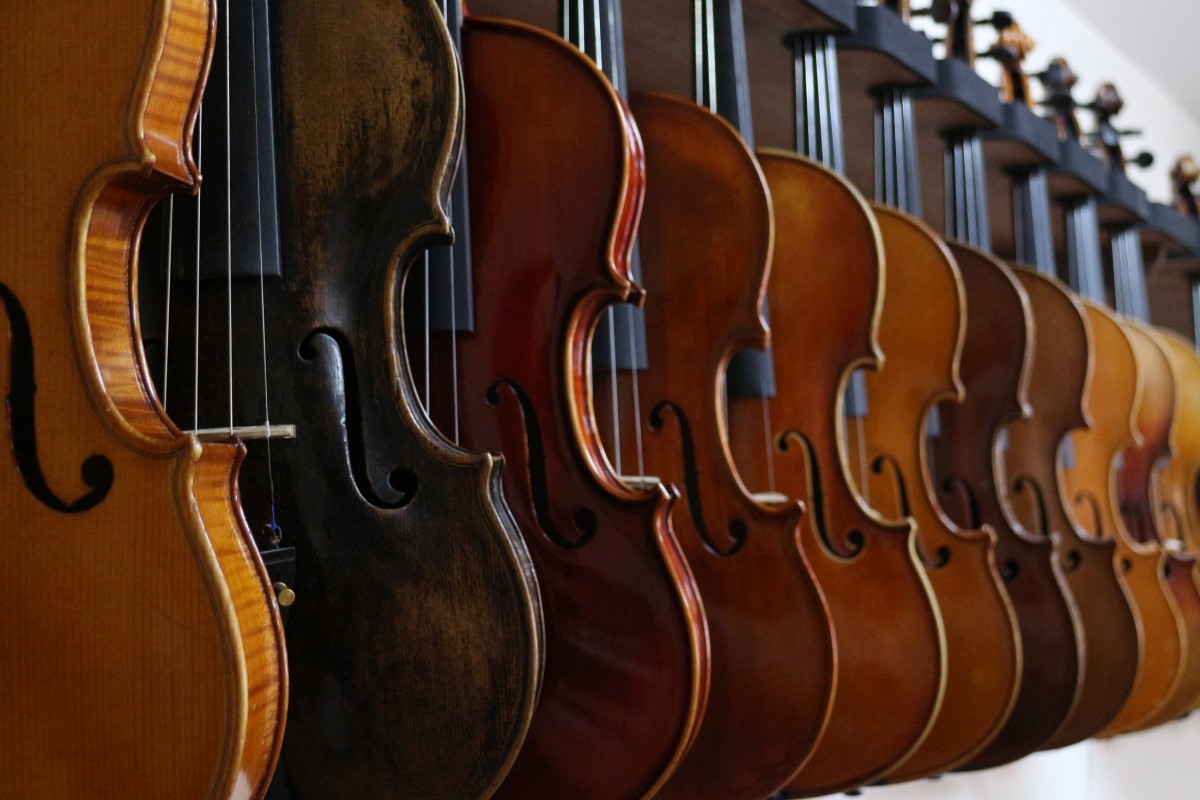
921,333
141,647
996,366
825,294
1158,415
1177,485
415,640
705,243
1114,396
1058,386
555,192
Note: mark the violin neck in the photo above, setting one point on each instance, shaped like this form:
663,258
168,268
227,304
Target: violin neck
722,85
960,33
448,301
967,217
897,172
1085,263
231,227
818,99
722,78
1031,219
1129,275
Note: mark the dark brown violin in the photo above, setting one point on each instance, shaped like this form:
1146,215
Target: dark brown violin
415,639
142,646
1058,386
555,188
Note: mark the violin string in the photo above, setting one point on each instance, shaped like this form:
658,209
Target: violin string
637,405
864,481
768,444
167,312
613,388
196,307
453,344
228,227
274,533
427,326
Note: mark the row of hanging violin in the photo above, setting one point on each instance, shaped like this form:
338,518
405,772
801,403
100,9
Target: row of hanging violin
529,540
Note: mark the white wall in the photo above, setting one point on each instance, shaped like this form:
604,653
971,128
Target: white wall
1059,28
1159,764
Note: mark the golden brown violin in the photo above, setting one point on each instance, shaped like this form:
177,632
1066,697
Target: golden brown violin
142,652
921,333
921,330
1139,501
1090,484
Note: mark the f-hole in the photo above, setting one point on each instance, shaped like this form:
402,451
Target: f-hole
1025,484
584,519
1171,512
1089,499
854,540
402,480
96,471
957,486
736,528
893,469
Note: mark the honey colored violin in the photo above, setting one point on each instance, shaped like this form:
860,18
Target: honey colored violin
921,332
140,649
1138,492
1114,398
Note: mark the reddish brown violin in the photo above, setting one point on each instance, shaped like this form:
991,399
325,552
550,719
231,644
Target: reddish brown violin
555,187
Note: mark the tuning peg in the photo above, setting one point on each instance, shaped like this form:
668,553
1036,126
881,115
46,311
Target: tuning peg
1143,159
1000,20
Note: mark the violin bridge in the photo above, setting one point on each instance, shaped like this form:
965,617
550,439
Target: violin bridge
640,483
771,498
245,432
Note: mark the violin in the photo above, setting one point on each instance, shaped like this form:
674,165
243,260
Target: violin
554,193
826,288
1114,398
142,645
922,327
1138,492
705,243
416,615
967,460
1032,460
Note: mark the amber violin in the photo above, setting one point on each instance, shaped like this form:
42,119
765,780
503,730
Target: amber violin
142,645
